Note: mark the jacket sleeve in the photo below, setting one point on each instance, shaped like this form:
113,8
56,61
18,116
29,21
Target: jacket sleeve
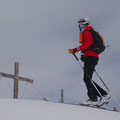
88,41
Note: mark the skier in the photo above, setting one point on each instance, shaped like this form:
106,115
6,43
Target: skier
90,59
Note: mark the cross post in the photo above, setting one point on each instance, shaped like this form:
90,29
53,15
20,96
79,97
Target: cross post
16,78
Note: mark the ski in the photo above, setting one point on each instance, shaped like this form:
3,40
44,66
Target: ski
114,109
103,103
100,107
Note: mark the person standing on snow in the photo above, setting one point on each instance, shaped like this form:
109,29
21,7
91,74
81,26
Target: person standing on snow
90,59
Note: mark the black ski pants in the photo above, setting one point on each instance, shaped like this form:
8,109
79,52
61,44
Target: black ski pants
89,66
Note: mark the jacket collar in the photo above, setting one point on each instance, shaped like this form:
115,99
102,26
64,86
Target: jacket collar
88,28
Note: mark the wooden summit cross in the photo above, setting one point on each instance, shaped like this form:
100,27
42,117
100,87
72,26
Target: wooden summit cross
16,78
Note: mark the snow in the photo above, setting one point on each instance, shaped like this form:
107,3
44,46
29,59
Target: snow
18,109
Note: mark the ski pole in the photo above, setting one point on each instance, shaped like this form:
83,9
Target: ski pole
88,75
95,72
75,57
102,80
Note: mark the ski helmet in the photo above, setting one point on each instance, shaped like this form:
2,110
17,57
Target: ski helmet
83,21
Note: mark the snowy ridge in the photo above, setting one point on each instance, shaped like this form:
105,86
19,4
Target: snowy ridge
11,109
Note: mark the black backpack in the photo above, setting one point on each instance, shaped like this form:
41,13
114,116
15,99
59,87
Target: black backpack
98,45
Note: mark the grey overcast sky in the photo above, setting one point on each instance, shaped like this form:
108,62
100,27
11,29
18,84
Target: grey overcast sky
38,34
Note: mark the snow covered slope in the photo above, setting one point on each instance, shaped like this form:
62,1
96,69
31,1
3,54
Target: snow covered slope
11,109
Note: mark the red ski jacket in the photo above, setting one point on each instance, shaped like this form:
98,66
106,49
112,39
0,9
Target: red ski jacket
87,42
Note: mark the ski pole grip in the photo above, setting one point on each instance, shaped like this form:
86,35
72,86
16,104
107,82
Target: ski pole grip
75,57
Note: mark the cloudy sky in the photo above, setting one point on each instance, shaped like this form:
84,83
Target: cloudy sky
38,34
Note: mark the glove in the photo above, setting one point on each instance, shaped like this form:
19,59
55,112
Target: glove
72,51
82,58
